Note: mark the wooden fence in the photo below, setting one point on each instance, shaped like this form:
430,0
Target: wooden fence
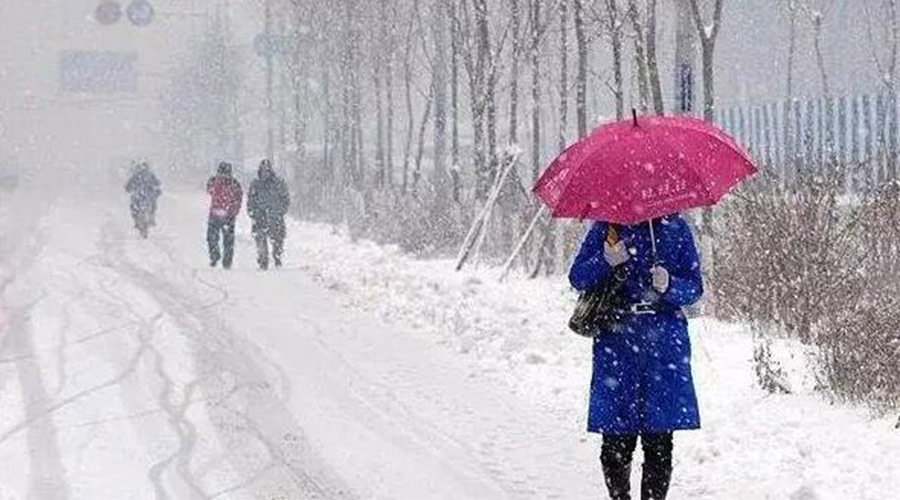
795,136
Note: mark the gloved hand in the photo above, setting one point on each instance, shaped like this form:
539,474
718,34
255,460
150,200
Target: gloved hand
661,279
617,254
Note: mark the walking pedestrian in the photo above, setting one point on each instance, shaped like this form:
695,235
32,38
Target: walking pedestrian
642,387
226,196
267,203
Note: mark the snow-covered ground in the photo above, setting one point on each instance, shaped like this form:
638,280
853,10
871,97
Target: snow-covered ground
752,446
130,370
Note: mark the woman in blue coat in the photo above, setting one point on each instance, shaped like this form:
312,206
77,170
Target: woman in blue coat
642,384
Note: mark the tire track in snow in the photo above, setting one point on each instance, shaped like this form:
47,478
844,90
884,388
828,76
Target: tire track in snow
175,413
47,474
223,354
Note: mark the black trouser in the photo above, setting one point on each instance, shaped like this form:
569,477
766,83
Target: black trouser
221,228
657,470
266,230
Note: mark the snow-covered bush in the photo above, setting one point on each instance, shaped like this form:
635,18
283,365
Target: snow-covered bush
818,264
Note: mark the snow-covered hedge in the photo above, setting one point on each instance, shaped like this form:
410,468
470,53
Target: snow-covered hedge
813,262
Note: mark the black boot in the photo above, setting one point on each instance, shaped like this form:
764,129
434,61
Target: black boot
618,481
657,470
616,459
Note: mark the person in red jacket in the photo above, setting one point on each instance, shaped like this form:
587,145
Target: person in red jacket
226,196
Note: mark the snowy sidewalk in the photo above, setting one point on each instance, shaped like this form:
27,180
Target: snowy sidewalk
130,369
753,446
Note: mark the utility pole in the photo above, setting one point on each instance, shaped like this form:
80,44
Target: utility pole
270,98
685,59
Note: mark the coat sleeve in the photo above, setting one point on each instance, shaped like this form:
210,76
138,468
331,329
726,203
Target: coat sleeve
686,278
252,196
590,267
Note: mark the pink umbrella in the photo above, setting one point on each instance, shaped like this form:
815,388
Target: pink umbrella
637,170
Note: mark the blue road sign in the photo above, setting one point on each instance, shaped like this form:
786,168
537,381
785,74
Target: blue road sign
140,13
108,12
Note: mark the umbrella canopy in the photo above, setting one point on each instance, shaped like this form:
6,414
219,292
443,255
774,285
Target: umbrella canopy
632,171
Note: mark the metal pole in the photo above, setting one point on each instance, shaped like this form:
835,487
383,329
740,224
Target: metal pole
270,100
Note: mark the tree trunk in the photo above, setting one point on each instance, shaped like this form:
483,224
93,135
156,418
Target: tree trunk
640,56
653,60
536,88
516,20
709,90
454,98
581,85
564,72
615,29
439,71
410,117
389,90
480,100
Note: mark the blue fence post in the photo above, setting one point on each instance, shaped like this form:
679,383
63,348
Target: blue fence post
820,131
842,130
810,136
799,152
881,135
892,136
767,136
788,140
869,142
854,130
830,142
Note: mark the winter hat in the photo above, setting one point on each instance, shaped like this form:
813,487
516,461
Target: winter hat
225,168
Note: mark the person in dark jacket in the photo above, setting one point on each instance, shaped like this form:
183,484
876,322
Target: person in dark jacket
226,196
267,203
145,190
642,386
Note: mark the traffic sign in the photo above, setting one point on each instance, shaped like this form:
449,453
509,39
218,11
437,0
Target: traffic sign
108,12
140,13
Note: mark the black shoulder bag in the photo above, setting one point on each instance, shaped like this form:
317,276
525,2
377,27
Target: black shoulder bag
598,310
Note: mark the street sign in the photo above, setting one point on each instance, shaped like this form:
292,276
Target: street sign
108,12
140,13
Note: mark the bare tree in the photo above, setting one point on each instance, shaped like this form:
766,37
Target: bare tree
653,58
708,34
614,26
564,71
581,84
516,54
885,56
640,56
439,72
792,46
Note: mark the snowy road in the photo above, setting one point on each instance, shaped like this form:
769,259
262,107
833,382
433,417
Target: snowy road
129,370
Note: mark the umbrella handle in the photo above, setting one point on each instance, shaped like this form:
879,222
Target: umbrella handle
656,260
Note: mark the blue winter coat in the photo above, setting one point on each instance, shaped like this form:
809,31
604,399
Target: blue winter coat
642,379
